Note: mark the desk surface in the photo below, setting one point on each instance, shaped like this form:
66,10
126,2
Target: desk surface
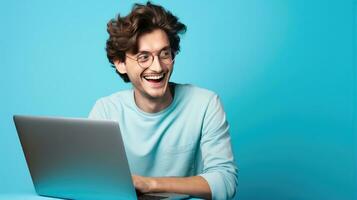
24,197
31,196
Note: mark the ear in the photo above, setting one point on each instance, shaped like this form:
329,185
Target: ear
120,66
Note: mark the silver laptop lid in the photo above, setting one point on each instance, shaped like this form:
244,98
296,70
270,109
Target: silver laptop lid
75,158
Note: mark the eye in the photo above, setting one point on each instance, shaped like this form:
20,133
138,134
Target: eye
143,57
165,54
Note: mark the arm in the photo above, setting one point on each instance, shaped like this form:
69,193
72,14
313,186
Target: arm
219,168
195,186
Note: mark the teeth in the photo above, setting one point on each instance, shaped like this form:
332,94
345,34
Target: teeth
154,77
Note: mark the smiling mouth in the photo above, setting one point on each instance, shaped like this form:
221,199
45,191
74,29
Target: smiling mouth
154,78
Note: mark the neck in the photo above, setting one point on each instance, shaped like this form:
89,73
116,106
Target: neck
153,105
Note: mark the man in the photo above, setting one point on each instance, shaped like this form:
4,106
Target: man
176,136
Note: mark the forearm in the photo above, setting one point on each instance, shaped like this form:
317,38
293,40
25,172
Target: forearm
195,186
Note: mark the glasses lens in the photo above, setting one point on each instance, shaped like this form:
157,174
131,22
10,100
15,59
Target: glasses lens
145,60
166,56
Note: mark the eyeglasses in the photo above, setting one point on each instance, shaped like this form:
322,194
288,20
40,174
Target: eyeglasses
145,58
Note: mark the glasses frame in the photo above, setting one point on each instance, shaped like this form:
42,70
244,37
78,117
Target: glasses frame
152,55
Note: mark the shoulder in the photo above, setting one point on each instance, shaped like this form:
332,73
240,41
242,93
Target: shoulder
120,97
194,93
109,107
195,99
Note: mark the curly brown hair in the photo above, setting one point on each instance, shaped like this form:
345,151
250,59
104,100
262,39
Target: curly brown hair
124,32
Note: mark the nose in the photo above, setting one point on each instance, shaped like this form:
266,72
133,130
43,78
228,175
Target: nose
156,65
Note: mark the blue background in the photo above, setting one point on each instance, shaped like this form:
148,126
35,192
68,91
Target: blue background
285,71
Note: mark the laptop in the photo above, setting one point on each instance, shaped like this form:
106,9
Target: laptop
74,158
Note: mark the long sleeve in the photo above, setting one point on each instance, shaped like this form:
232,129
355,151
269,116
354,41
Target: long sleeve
219,168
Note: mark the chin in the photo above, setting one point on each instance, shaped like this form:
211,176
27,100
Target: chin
156,90
156,93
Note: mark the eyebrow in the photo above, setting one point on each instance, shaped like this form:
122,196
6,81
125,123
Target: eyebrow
164,48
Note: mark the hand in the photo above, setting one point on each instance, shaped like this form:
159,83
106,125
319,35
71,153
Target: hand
142,184
195,186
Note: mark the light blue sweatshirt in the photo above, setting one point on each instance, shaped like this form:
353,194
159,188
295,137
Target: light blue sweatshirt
190,137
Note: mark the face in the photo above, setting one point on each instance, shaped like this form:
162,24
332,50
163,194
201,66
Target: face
151,82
